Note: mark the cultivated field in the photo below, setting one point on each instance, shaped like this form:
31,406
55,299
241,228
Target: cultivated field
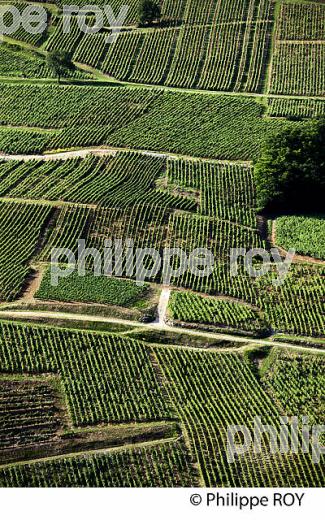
152,139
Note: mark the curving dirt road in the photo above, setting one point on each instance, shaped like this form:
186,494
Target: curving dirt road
154,326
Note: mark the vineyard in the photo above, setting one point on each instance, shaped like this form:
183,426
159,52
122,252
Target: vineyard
221,190
304,234
299,54
105,378
217,48
150,140
163,465
226,190
189,307
31,413
136,118
216,223
15,63
28,37
299,69
211,391
91,289
100,375
296,108
19,238
301,22
187,123
296,381
286,308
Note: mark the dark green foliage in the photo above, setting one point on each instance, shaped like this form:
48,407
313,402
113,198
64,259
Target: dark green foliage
148,11
89,288
290,173
59,62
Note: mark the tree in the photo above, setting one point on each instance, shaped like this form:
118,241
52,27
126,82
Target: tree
290,173
59,62
148,11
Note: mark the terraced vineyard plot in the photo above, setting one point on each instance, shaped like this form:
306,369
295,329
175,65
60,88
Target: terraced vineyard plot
21,33
50,180
23,140
105,378
190,232
91,49
89,288
304,234
220,56
298,69
71,225
301,22
29,414
230,63
13,62
210,392
191,308
121,180
21,226
17,63
65,39
192,13
278,107
12,172
205,52
173,10
145,225
142,57
200,125
195,14
161,465
122,53
296,381
299,55
286,308
131,179
154,57
296,307
226,190
132,14
189,55
55,106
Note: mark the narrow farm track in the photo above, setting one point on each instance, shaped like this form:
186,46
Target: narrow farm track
162,306
106,79
10,314
46,202
83,152
99,451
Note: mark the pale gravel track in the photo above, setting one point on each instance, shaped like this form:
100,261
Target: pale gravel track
99,151
162,306
153,326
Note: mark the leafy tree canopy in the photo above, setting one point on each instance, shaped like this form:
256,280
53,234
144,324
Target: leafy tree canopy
290,173
58,62
148,11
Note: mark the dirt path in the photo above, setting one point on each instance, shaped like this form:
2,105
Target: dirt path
100,319
162,307
34,284
60,155
99,151
98,451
